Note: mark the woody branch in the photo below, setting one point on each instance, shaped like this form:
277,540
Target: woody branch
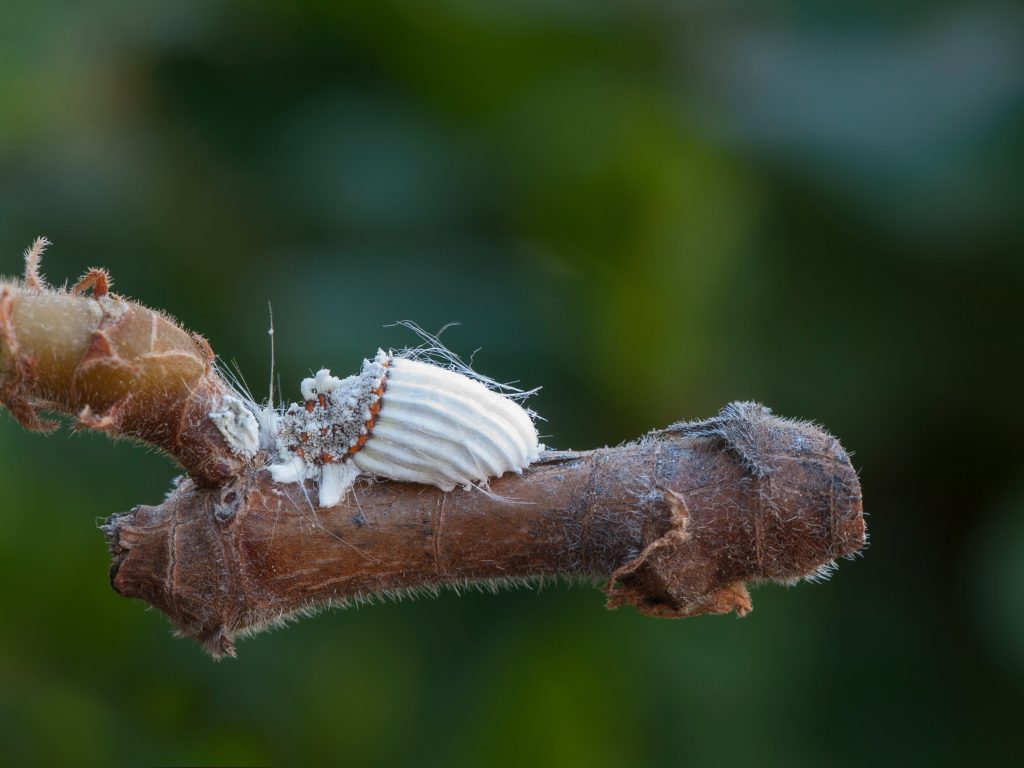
674,524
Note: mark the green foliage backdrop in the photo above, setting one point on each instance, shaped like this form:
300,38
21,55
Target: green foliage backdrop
648,208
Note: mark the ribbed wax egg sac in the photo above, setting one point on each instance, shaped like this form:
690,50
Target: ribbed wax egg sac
442,428
405,420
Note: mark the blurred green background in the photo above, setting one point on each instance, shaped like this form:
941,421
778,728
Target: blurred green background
649,208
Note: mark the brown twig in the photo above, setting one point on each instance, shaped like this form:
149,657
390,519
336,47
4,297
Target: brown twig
115,365
675,524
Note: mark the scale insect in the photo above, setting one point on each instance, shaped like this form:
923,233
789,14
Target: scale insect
400,418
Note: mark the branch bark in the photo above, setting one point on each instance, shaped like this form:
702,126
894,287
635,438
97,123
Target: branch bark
675,524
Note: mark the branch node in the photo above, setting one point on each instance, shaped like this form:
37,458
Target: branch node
743,427
658,582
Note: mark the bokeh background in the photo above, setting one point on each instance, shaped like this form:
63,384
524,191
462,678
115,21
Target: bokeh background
649,208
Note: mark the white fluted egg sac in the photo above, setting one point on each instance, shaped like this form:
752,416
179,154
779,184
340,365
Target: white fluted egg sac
442,428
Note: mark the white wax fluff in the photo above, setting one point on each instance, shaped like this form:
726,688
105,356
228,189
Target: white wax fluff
335,480
238,426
